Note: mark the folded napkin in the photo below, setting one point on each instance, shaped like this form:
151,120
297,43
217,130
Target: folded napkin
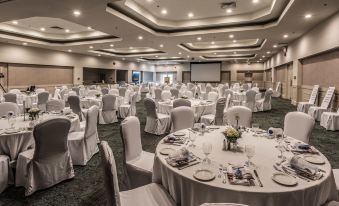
239,176
170,139
304,168
180,157
303,148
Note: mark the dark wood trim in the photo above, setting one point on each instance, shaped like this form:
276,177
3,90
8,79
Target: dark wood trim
182,75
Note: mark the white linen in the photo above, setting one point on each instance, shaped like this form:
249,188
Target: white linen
182,118
330,120
298,125
186,190
336,178
304,106
244,114
4,168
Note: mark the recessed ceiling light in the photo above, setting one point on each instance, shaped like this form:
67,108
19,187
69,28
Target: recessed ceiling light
229,11
234,41
268,52
255,1
260,59
89,28
307,16
215,53
70,50
111,45
275,46
199,38
234,52
263,56
188,56
91,47
67,30
285,35
149,0
212,42
190,15
42,29
130,47
231,36
161,45
24,43
179,53
140,37
123,58
15,22
156,56
76,13
164,11
99,55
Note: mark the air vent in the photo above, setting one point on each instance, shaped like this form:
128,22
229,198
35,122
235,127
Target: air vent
230,4
56,27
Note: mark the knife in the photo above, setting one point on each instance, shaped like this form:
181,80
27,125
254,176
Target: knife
259,181
189,165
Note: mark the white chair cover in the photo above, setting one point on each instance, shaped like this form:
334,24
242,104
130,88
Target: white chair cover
156,123
92,93
332,203
50,162
330,120
250,99
336,177
42,100
304,106
244,114
15,91
276,92
265,103
218,117
74,103
114,92
126,110
72,93
212,96
57,94
316,112
181,102
175,93
188,94
166,95
6,107
182,118
83,145
139,164
11,97
39,90
108,113
4,172
55,105
298,125
157,94
150,195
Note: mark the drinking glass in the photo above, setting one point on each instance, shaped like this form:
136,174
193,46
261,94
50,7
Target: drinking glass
192,137
250,152
207,149
255,126
11,122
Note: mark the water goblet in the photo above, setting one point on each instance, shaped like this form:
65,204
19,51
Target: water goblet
207,149
250,152
192,137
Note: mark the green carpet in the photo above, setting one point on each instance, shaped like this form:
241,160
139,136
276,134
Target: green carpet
87,186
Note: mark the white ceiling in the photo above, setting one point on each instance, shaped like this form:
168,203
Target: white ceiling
127,29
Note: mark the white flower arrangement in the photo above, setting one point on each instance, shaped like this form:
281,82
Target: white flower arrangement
231,134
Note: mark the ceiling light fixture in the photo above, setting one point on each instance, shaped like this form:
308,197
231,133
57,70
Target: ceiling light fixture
91,47
179,53
285,36
123,59
89,28
275,46
156,56
215,53
234,41
231,36
307,16
263,56
212,42
164,11
99,55
24,43
234,52
188,56
255,1
67,30
76,13
42,29
140,37
161,45
111,45
70,50
229,11
15,22
268,52
190,15
199,38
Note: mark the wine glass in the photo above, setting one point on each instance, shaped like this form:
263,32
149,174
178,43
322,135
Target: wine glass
250,152
207,149
192,137
11,121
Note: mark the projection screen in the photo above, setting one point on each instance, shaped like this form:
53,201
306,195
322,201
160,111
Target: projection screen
205,72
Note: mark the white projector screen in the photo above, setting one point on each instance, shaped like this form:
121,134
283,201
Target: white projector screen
205,72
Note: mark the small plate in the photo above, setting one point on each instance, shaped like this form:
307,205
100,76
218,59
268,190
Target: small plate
166,151
11,131
179,134
314,159
204,175
284,179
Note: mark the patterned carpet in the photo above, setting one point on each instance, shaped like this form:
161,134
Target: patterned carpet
87,186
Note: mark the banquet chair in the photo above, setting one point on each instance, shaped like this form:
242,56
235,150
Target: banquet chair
49,163
304,106
228,92
83,145
156,123
72,93
332,203
14,91
39,90
42,100
336,178
250,100
151,195
122,91
166,95
114,92
55,105
264,104
330,120
4,172
57,93
222,204
74,103
277,92
188,94
256,89
157,94
108,113
298,125
92,87
76,90
138,163
126,110
181,102
182,118
63,93
218,117
92,93
10,97
315,111
174,93
212,96
245,87
6,107
104,90
244,115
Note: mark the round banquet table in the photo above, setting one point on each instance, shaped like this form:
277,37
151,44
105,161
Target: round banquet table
241,96
200,107
87,102
12,144
188,191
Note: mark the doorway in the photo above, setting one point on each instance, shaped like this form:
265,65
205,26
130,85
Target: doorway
289,81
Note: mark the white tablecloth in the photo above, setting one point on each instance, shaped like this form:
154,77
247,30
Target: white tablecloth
330,121
241,96
13,144
190,192
200,107
87,102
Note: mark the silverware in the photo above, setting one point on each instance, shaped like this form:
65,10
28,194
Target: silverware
220,170
258,178
291,171
224,171
188,165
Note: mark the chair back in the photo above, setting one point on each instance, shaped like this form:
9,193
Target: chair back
6,107
114,92
134,99
228,92
108,102
15,91
55,105
92,93
328,98
243,114
91,121
245,87
43,98
166,95
39,90
110,174
189,94
208,88
175,92
122,91
182,118
76,90
104,90
74,104
298,125
10,97
150,108
250,99
268,95
219,114
314,94
50,138
181,102
212,96
131,137
157,93
228,100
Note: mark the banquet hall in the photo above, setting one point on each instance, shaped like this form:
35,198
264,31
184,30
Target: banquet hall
169,102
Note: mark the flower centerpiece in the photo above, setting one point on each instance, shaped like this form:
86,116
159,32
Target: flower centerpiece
98,95
184,97
33,113
232,135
